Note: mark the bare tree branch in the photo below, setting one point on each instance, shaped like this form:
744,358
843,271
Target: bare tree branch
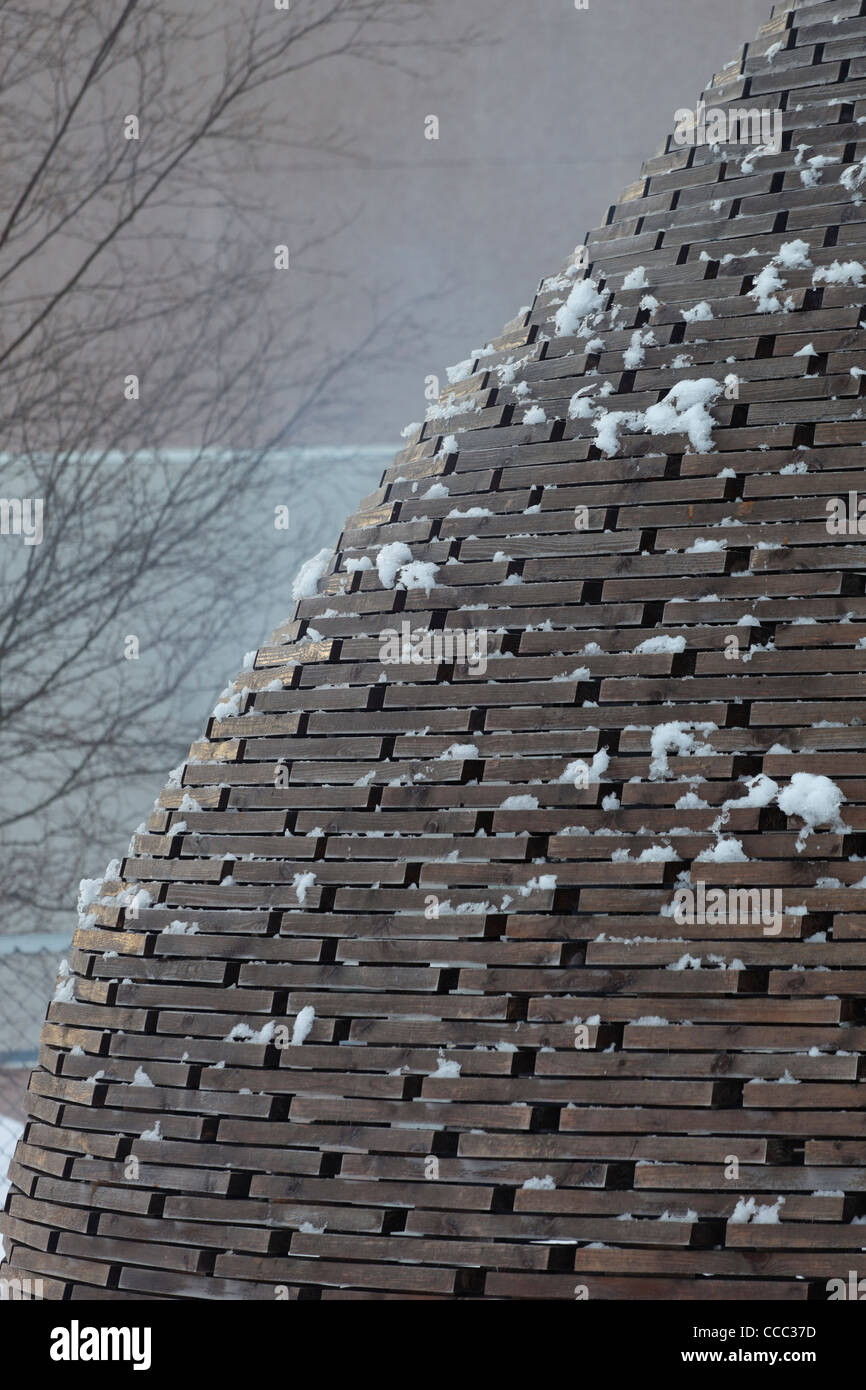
149,257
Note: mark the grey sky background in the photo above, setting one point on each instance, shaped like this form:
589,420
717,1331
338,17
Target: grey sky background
542,123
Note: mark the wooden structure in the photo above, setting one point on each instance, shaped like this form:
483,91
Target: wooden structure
525,1077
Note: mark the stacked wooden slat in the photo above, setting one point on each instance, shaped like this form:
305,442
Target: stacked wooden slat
525,1077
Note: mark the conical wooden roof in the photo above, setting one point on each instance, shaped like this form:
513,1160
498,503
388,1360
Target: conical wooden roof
469,874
